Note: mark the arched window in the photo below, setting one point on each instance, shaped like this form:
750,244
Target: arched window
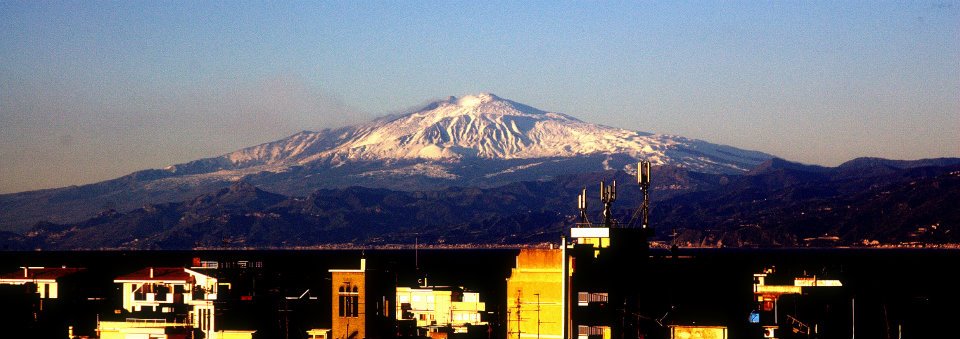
348,299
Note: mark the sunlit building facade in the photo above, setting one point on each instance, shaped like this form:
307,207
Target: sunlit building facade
535,295
168,302
438,308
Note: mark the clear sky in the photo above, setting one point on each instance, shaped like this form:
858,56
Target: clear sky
94,90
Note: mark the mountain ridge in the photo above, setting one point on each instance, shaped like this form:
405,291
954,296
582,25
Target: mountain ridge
769,209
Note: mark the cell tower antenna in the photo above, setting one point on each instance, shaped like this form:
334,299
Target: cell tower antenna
608,194
582,206
643,179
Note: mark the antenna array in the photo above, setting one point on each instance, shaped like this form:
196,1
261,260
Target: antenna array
643,179
582,206
608,194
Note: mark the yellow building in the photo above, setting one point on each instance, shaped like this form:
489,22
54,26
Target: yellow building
698,332
318,333
536,294
438,307
159,330
142,329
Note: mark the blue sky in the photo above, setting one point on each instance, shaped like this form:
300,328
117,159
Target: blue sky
94,90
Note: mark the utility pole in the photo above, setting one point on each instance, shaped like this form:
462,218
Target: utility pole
519,303
538,314
853,318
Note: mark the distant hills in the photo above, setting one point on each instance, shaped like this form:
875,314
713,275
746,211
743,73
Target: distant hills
864,201
778,204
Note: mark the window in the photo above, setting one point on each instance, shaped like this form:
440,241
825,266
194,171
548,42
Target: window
585,298
139,292
598,297
343,300
597,330
768,305
583,330
349,301
204,319
162,291
351,306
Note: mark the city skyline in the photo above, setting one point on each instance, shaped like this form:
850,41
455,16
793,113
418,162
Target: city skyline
91,91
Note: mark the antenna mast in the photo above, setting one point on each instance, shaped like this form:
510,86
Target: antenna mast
582,206
643,179
608,194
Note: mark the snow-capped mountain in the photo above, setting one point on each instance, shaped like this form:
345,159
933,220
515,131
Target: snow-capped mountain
470,128
473,141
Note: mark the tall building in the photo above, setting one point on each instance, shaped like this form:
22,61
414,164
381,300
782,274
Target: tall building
606,264
361,303
603,291
535,295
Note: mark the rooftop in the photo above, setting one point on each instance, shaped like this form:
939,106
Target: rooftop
157,274
40,273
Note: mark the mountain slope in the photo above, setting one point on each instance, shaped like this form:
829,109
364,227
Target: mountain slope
794,206
786,207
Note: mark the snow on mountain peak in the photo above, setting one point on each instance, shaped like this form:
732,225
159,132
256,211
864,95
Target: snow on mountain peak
482,126
476,100
486,104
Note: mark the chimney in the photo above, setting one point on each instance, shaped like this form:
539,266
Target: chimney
151,273
363,264
25,269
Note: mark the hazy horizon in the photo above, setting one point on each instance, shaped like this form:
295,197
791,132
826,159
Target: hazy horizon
91,91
